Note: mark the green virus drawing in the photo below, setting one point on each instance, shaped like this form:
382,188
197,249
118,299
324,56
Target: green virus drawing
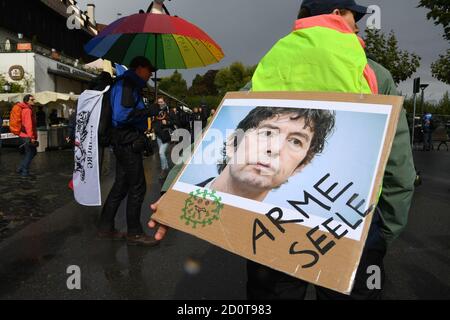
201,208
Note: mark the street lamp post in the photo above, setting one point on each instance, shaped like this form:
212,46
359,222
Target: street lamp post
155,81
416,89
423,87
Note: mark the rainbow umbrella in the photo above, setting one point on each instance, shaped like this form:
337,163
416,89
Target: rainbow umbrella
169,42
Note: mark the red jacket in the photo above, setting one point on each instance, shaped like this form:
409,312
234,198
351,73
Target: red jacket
28,122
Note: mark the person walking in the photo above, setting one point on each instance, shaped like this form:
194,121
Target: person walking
427,128
129,121
162,127
23,124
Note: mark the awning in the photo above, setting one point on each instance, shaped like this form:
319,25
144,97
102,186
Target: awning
41,97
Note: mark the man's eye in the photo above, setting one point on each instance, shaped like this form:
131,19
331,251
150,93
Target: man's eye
266,133
296,142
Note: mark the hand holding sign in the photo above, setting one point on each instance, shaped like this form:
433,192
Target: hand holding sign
161,229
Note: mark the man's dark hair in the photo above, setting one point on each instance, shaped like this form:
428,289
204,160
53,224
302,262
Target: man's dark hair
141,62
321,122
27,98
303,13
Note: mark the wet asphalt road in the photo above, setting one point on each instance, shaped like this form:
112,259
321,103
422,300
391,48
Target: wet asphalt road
34,259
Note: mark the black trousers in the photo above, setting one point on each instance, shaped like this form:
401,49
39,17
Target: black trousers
264,283
129,181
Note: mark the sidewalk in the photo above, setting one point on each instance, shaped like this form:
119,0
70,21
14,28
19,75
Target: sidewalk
34,260
25,200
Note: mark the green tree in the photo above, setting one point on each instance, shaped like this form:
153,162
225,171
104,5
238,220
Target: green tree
234,77
16,87
440,13
174,85
210,101
209,82
441,68
442,107
444,104
2,83
204,85
385,50
198,88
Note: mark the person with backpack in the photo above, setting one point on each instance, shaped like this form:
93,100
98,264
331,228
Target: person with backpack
22,123
129,122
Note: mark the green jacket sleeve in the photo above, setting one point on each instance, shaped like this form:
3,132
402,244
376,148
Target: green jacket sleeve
171,177
176,170
398,181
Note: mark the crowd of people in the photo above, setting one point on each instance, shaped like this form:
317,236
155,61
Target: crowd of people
172,118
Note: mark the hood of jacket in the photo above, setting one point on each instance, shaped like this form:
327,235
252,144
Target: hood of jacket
321,54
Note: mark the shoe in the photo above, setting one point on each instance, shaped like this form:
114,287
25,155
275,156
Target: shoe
111,235
142,240
27,175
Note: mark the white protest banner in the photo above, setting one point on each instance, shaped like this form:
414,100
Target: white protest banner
86,175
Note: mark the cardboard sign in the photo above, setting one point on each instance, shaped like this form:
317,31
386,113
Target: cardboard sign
288,180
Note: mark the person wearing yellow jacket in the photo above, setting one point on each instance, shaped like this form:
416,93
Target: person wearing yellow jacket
324,54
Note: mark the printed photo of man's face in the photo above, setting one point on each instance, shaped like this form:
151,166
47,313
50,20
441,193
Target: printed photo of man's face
268,155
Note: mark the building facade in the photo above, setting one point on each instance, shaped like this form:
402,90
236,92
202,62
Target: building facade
38,50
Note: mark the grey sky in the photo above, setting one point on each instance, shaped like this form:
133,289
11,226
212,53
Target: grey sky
247,29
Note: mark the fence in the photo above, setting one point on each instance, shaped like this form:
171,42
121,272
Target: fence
441,131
